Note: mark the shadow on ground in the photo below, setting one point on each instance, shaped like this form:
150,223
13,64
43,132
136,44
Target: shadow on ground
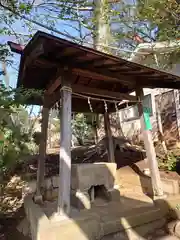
109,219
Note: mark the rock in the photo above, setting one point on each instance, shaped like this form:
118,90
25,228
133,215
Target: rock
177,229
171,226
174,228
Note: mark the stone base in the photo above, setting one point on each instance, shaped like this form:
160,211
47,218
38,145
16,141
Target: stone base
80,200
95,223
164,196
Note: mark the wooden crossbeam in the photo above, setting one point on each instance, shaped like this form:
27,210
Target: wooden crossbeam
102,93
87,70
36,52
53,86
98,75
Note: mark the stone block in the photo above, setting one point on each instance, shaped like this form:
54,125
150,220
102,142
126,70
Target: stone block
114,194
55,192
148,228
170,186
86,175
80,200
48,195
55,181
112,223
81,228
48,183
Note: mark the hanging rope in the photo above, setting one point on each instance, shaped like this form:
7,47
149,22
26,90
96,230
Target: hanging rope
116,108
105,106
90,106
95,99
65,88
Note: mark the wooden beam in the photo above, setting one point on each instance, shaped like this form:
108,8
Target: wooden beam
90,61
55,96
42,154
140,73
110,145
87,70
98,75
102,93
35,53
63,207
149,147
53,86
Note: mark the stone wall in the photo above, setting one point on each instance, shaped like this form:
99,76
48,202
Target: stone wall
51,188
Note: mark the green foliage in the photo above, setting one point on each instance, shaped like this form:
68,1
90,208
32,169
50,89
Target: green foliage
163,14
80,128
169,163
16,132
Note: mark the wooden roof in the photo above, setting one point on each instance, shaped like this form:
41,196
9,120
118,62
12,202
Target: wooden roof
44,57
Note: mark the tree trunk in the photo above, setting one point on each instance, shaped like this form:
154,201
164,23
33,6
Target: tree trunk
102,31
159,123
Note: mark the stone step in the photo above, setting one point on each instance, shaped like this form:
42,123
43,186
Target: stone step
132,211
115,221
105,220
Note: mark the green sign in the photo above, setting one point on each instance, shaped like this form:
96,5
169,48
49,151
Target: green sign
147,121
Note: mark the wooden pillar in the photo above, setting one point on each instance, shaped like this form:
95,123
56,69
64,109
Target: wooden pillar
111,157
42,153
150,150
65,148
177,102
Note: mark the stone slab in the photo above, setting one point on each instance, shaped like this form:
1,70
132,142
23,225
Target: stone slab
89,224
86,175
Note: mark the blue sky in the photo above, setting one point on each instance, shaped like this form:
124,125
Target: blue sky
19,28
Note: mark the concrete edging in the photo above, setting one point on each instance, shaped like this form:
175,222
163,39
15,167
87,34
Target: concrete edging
36,217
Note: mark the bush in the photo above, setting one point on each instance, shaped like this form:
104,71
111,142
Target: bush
169,163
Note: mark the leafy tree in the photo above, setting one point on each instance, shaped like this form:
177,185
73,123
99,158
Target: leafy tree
16,132
80,129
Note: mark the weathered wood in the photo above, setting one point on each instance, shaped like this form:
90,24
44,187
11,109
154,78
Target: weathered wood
65,148
78,88
150,150
177,102
101,74
53,86
102,93
111,157
42,150
35,53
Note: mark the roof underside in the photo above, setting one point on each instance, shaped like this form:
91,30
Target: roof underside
45,56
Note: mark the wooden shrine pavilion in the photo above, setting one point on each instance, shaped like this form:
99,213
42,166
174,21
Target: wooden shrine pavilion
74,75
